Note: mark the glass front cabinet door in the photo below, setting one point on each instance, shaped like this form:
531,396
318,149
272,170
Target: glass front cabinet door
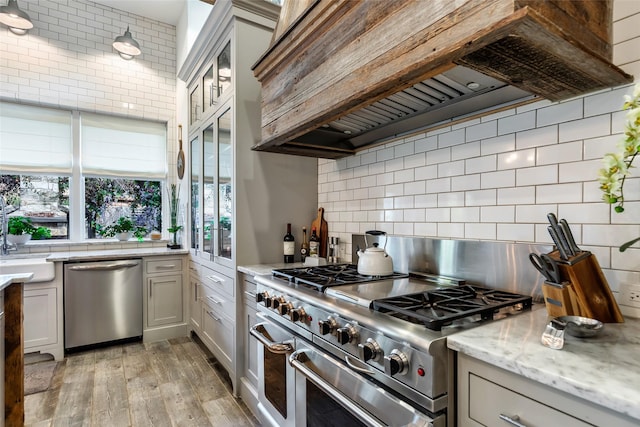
225,185
194,149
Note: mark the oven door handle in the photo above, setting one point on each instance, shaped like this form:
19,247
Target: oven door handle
331,391
358,368
274,347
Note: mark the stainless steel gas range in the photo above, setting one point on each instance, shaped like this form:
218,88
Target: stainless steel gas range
343,349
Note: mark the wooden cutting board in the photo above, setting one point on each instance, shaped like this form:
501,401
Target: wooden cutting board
322,231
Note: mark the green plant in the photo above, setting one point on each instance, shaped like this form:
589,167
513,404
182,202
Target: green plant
174,200
124,224
19,225
618,165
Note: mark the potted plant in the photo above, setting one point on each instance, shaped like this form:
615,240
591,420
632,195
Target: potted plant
20,230
122,229
174,204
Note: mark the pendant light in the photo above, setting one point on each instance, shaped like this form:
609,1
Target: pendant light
126,46
16,19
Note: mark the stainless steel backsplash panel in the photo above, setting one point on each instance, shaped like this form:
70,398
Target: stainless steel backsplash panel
497,265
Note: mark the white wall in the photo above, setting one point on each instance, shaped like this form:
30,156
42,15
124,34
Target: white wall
497,177
67,60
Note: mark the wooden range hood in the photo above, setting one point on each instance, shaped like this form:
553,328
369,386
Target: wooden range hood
342,75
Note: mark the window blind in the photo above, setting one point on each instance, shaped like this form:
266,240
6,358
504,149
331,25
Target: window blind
115,146
35,139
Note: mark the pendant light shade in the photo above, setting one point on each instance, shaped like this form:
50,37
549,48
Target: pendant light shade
16,19
126,46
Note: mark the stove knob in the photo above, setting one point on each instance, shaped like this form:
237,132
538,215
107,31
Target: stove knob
268,301
327,326
346,334
396,363
261,296
298,315
369,350
277,301
284,308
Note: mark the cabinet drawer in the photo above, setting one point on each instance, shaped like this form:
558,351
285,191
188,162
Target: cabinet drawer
249,293
217,300
219,331
218,281
168,265
488,401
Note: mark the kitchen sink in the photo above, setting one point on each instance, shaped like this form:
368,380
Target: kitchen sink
43,270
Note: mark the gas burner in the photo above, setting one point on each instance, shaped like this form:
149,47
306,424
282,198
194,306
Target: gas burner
322,277
442,306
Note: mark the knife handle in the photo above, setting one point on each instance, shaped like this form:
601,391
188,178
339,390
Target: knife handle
568,250
567,231
556,239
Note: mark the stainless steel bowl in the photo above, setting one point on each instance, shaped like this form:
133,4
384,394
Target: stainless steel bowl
579,326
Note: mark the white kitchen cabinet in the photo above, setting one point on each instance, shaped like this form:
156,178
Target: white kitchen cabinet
43,316
249,350
164,305
195,299
240,199
488,395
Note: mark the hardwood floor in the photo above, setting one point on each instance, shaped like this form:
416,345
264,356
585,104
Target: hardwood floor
165,383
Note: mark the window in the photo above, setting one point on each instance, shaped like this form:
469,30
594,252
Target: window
69,171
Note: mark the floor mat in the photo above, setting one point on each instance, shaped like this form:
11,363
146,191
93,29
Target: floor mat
37,376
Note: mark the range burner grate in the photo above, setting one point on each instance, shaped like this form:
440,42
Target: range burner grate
440,307
324,276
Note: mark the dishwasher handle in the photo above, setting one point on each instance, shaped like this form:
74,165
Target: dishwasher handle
103,266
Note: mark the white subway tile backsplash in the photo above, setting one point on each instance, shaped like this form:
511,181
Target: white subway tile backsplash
426,201
438,214
537,137
481,164
404,202
414,215
450,230
440,185
534,213
596,148
450,199
438,156
585,213
517,159
415,188
517,123
590,127
465,151
579,171
516,232
394,190
560,112
559,153
403,229
517,195
429,143
426,172
609,235
415,160
465,182
537,175
485,231
451,169
393,215
559,193
425,229
480,197
497,214
498,179
471,214
481,131
448,139
499,144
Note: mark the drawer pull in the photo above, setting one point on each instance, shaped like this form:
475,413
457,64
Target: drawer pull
215,279
214,300
166,267
513,420
210,313
250,295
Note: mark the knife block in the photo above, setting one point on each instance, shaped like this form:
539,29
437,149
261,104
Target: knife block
561,301
593,294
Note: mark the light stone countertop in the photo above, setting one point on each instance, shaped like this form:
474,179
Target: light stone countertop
7,279
604,369
260,269
113,254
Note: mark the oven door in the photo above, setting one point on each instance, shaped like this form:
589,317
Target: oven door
276,382
332,393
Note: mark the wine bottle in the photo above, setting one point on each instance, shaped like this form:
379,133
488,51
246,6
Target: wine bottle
289,245
304,248
314,243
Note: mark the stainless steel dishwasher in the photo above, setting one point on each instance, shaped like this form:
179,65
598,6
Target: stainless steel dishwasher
102,302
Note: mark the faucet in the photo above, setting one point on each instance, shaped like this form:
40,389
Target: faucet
5,227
